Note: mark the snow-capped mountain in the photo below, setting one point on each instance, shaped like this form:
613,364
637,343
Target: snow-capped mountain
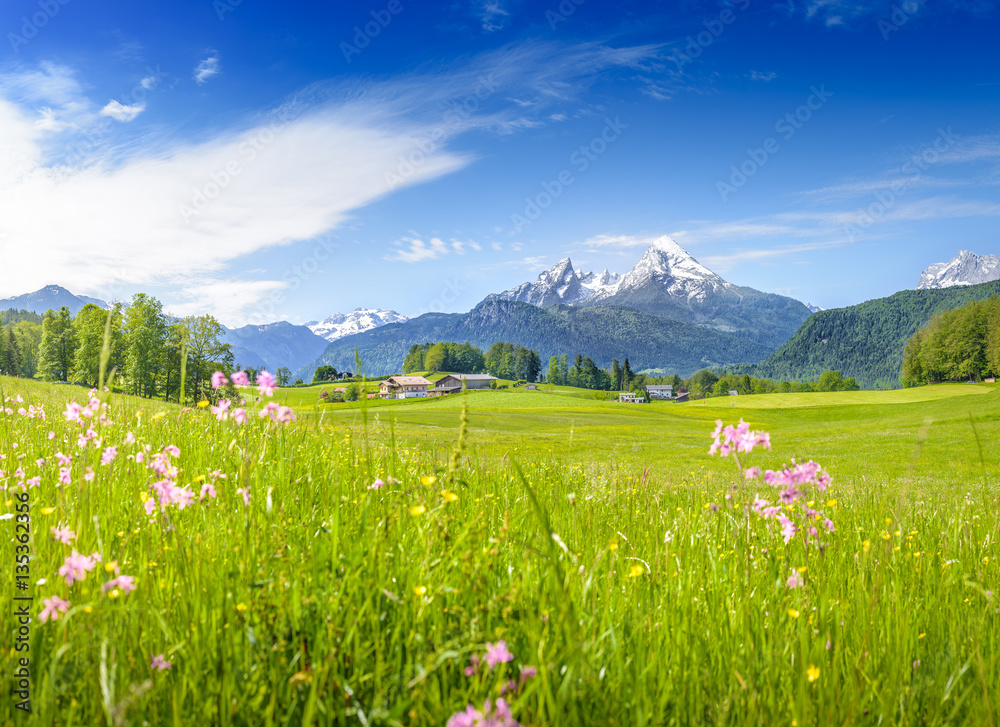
562,283
967,268
667,281
345,324
665,263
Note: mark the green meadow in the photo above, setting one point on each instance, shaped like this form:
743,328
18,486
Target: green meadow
357,566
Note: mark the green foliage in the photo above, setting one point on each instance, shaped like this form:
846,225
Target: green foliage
604,332
324,373
511,361
58,345
459,358
648,607
956,345
353,392
864,341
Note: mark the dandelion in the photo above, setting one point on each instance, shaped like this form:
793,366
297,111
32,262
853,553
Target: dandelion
428,480
448,496
497,654
812,672
159,662
52,607
635,571
417,510
203,403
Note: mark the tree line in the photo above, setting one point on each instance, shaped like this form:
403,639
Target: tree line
956,345
149,352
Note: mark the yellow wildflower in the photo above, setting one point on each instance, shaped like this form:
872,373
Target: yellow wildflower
448,496
419,590
636,570
812,673
428,480
417,510
793,613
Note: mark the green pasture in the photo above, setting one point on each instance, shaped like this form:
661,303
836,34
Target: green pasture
599,541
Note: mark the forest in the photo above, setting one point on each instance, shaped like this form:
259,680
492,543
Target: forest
148,353
957,345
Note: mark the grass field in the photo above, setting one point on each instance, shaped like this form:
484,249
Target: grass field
624,568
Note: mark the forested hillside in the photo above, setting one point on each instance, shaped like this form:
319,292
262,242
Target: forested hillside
605,332
956,345
864,341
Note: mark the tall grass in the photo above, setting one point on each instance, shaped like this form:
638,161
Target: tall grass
641,598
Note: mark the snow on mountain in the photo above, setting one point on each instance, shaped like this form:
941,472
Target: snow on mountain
814,308
664,262
345,324
670,265
967,268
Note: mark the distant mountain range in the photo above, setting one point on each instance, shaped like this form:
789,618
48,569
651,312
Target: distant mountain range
274,345
347,324
667,281
967,268
864,341
51,297
601,332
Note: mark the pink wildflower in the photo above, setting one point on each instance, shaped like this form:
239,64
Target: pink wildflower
109,455
72,412
88,474
376,485
239,416
126,583
219,379
160,663
221,411
266,383
51,435
240,379
207,490
172,450
52,608
75,568
470,717
64,460
63,535
65,477
284,415
496,654
246,496
794,580
268,410
130,438
34,482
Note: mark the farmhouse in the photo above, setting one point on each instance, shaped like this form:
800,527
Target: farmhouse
629,398
452,383
660,391
403,387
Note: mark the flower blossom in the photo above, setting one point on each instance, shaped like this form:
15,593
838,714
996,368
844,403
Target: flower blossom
266,383
52,608
75,568
219,379
240,378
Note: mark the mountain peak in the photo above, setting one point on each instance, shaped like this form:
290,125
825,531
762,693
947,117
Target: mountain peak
339,325
966,268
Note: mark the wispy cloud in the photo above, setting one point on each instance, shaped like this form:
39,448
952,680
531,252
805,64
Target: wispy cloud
606,243
493,15
207,68
120,112
326,155
759,76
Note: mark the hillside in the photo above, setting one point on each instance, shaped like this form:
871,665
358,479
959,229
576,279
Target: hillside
274,345
863,341
601,332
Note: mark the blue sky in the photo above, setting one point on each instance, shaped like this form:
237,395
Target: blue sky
264,161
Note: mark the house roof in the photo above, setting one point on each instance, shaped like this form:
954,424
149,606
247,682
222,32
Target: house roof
472,377
660,387
407,381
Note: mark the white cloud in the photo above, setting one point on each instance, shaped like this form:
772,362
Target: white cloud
206,69
120,112
616,242
758,76
176,217
415,250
